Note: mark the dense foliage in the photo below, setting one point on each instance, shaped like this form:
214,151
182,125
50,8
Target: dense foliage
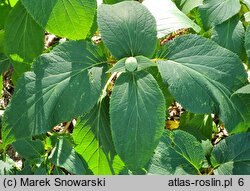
116,70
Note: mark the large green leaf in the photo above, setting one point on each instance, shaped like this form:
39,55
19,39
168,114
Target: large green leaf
72,19
4,12
202,76
215,12
137,112
24,38
94,142
247,43
30,150
241,98
177,153
168,17
2,41
230,34
187,5
127,29
64,155
65,83
232,155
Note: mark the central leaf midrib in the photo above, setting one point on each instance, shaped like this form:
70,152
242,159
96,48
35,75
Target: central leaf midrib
134,93
95,120
187,158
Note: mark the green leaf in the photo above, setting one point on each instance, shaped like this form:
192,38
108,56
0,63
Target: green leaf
1,87
58,171
41,170
156,74
247,43
94,142
28,149
19,69
71,19
65,83
198,125
168,17
142,64
207,147
12,2
2,41
187,5
230,34
232,155
178,153
137,112
4,12
241,98
26,170
202,76
24,38
64,155
127,29
4,63
215,12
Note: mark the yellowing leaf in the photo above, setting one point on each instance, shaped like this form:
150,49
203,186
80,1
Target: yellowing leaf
170,124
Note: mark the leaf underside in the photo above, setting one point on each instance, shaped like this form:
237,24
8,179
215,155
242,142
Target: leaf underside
168,17
24,37
94,142
71,19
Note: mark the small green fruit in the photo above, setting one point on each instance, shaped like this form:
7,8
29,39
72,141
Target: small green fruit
131,64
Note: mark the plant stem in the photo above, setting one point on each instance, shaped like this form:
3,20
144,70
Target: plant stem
49,133
199,173
4,155
112,61
66,126
211,171
104,92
